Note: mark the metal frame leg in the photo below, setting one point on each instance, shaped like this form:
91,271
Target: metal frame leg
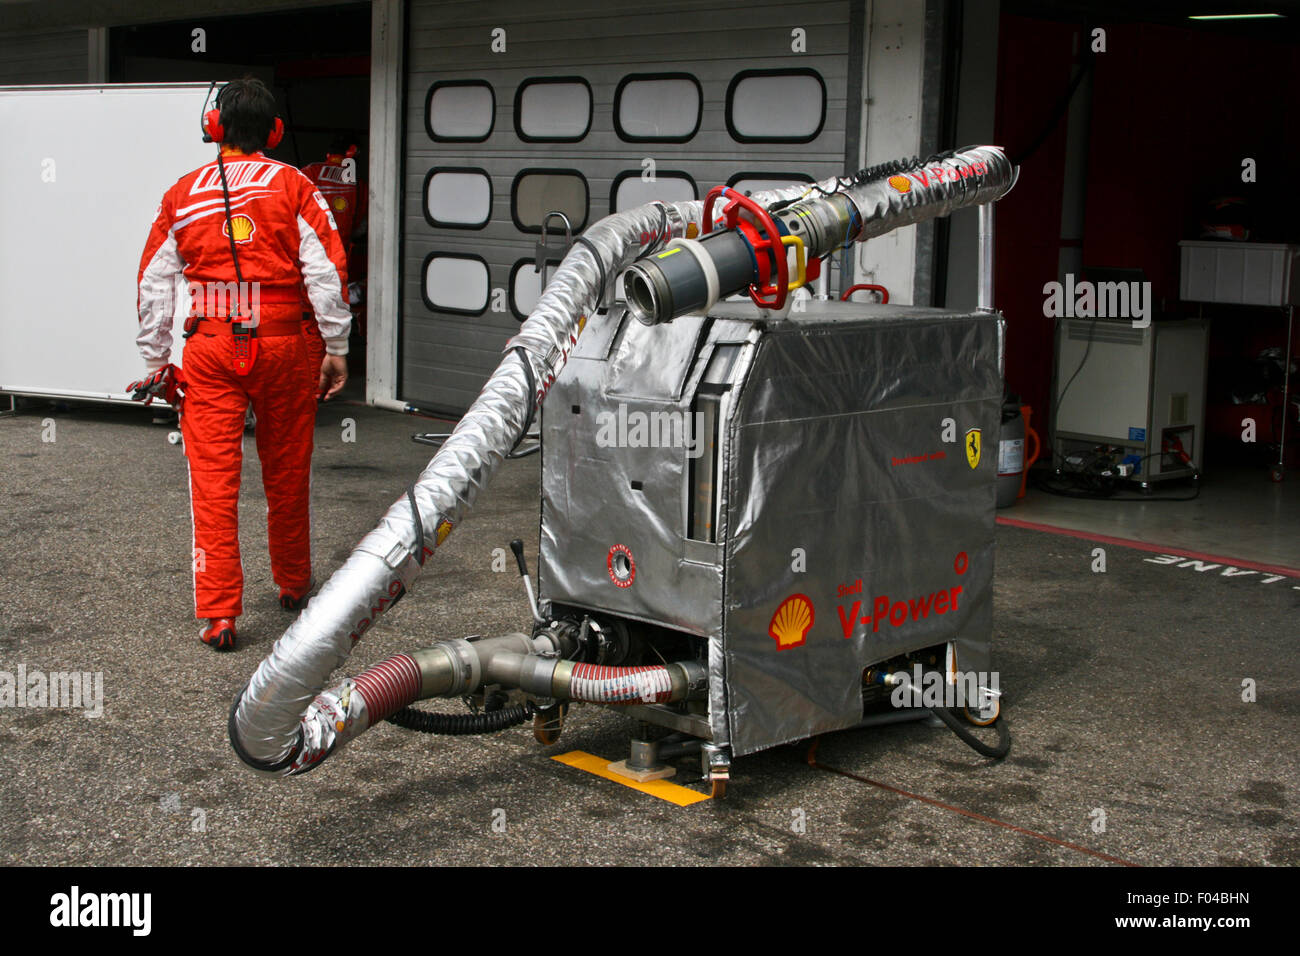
715,767
1280,468
985,263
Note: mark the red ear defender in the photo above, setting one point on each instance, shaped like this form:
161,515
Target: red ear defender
212,127
277,133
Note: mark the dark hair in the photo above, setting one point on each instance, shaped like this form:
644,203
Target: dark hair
247,113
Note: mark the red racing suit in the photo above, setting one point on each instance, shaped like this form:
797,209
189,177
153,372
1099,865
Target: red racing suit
345,199
286,239
347,202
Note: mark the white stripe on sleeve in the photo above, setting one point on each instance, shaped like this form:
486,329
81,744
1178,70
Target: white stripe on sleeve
323,288
158,301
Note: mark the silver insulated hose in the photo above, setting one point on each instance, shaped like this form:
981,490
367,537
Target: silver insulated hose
822,218
281,722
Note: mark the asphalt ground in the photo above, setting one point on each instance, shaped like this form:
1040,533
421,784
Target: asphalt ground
1123,690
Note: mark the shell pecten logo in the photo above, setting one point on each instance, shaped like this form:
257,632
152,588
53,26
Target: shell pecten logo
792,622
901,183
242,227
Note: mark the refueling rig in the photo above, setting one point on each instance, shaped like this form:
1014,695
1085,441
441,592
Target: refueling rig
760,521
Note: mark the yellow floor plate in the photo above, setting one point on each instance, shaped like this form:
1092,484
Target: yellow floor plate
672,792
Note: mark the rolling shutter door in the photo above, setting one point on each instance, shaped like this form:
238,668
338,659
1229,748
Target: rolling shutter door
706,93
29,59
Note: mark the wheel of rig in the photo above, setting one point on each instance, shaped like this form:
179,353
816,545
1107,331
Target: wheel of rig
974,716
718,788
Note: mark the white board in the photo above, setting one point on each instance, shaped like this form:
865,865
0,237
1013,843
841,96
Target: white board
82,170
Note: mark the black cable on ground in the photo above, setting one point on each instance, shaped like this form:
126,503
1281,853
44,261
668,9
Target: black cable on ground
958,727
462,724
1092,486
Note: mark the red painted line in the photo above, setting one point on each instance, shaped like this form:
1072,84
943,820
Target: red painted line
1153,548
813,762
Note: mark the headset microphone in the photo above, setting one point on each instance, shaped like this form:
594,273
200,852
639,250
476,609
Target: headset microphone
204,114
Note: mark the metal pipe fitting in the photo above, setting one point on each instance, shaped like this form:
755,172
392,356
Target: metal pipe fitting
458,667
689,276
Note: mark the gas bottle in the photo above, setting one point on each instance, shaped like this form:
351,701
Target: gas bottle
1011,455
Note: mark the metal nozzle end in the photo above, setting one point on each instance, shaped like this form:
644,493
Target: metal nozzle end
642,297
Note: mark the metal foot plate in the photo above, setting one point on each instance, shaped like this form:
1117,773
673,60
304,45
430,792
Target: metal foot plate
641,776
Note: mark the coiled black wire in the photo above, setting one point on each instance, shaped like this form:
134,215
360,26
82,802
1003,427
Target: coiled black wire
884,169
958,727
903,165
487,722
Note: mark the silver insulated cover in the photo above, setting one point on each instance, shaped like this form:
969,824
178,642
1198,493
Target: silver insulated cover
809,495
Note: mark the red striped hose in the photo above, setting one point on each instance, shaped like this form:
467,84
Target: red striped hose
621,685
388,687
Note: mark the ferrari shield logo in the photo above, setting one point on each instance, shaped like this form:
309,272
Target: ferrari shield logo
973,447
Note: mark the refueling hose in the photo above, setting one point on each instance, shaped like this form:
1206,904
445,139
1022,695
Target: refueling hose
956,725
595,683
463,724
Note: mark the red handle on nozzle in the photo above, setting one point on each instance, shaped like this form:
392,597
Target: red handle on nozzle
764,242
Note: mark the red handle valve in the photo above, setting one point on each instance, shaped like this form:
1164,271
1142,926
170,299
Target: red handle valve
884,293
764,239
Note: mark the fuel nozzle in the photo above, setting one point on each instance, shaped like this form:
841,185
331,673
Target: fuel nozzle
517,546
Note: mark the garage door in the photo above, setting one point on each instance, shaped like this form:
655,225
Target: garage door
514,110
61,56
